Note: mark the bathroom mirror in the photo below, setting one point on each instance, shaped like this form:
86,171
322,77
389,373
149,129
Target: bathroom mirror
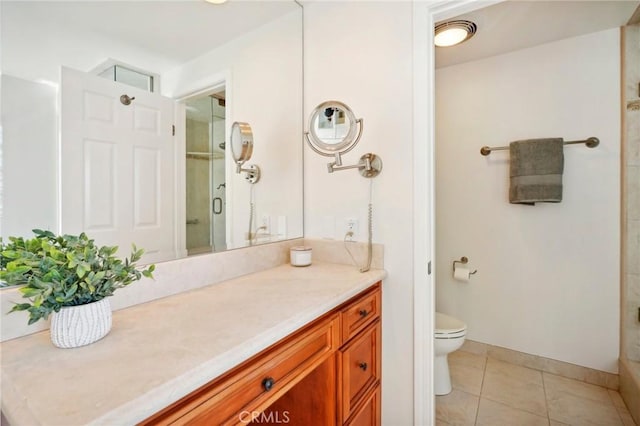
241,142
246,53
333,128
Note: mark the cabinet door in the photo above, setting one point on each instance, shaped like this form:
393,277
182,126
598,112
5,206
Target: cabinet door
360,365
368,414
310,402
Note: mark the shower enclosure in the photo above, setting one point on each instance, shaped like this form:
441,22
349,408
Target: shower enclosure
205,173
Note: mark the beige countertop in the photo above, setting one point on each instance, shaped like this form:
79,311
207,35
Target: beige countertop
157,352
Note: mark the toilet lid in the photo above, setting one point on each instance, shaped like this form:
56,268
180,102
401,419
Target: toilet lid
446,324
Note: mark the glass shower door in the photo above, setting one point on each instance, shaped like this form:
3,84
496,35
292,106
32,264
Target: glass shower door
205,174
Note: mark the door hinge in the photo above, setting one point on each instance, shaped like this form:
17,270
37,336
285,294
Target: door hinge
173,130
429,268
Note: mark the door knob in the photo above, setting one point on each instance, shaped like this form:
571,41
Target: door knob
126,100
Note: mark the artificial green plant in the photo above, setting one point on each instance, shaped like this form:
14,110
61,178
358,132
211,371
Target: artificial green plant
65,270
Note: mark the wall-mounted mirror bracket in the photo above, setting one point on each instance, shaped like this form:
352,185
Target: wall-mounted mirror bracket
252,171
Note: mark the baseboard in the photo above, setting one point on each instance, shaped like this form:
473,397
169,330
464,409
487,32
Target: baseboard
560,368
630,386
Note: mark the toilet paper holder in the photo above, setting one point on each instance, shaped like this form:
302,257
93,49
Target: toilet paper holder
464,260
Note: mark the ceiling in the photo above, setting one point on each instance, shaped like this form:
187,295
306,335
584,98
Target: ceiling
178,30
514,25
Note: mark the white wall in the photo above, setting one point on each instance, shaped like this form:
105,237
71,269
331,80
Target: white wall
29,157
548,275
264,90
360,53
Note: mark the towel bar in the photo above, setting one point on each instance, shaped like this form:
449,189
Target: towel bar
591,142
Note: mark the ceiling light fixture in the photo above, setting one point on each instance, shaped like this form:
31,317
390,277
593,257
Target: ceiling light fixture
216,1
454,32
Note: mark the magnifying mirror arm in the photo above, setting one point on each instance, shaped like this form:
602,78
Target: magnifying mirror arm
369,164
332,167
337,165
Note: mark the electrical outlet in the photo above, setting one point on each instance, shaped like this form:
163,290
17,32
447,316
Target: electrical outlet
351,228
266,222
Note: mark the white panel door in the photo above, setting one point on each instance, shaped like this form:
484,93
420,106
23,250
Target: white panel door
118,165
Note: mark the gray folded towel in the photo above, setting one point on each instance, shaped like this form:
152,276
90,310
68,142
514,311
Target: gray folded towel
535,171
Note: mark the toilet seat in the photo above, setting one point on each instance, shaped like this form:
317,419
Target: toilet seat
448,327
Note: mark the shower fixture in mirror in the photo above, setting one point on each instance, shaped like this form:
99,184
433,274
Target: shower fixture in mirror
154,168
333,131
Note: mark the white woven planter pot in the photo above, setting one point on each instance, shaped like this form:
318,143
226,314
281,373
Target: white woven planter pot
81,325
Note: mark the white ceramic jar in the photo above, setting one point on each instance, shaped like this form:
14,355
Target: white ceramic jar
300,256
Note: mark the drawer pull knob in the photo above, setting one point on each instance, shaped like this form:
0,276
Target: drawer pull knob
363,313
268,383
363,366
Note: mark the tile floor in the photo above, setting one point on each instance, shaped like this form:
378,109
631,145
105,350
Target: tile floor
490,392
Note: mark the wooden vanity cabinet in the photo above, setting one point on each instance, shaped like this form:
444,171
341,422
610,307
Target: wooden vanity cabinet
327,373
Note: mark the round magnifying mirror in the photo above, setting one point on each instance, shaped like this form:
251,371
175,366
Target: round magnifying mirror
241,142
333,127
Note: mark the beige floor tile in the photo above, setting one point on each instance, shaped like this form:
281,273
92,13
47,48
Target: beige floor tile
555,423
466,371
467,358
457,409
560,385
495,414
477,348
574,410
515,386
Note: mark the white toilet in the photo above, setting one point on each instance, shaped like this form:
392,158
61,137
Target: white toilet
449,336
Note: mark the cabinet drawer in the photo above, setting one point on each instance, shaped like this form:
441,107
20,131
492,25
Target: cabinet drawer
255,384
359,314
360,362
368,413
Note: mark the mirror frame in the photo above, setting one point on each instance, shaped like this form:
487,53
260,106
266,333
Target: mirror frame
244,145
348,142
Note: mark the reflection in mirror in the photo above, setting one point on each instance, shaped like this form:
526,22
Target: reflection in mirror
205,173
242,148
253,47
332,127
241,142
